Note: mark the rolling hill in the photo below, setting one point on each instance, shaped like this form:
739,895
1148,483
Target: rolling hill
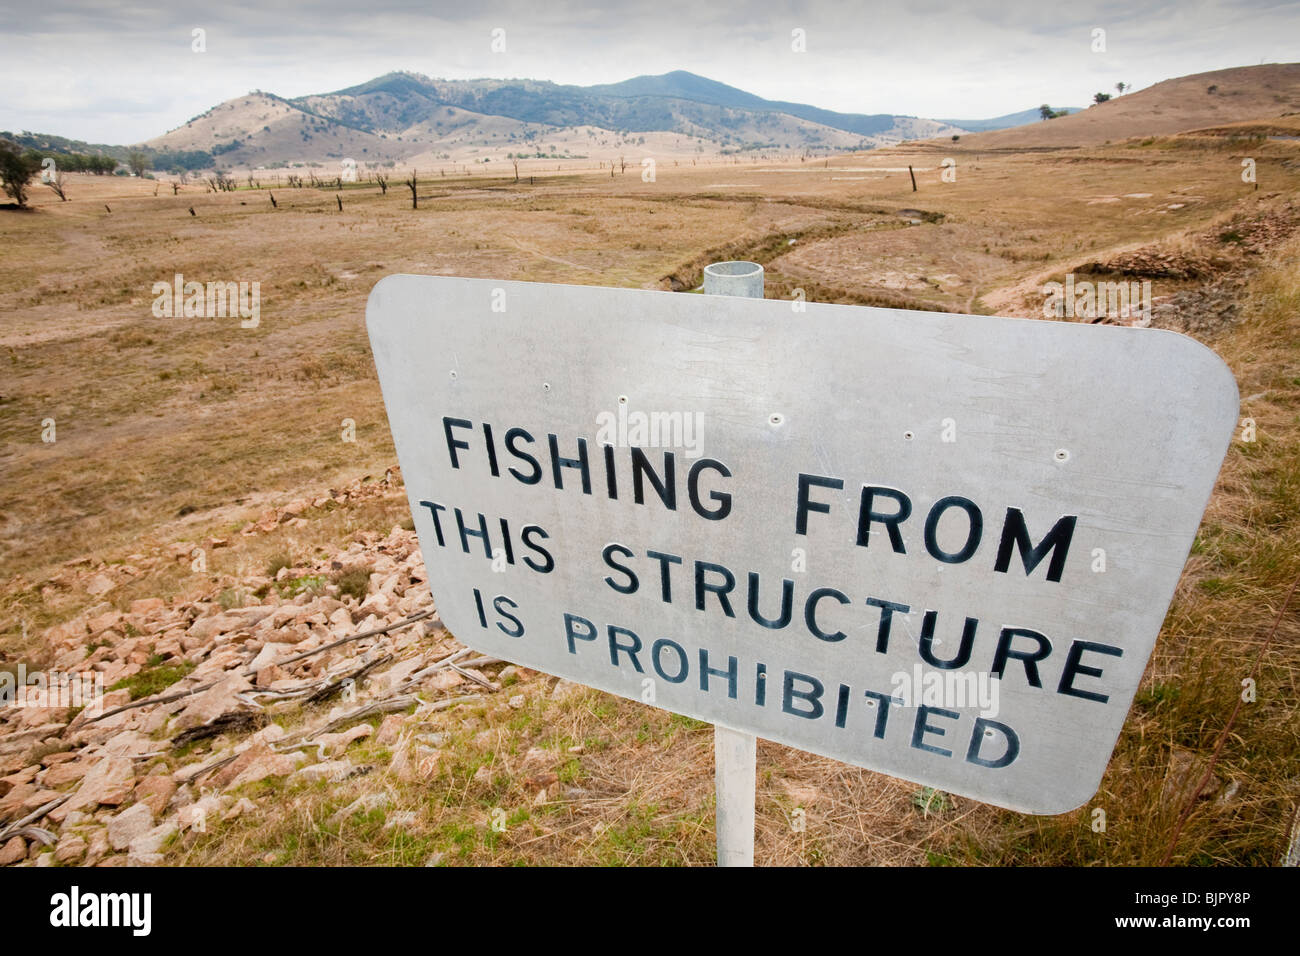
1173,106
1003,122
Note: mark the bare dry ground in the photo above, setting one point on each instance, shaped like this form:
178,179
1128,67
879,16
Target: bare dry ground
175,430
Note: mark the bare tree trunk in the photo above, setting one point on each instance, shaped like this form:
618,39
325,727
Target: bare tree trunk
412,183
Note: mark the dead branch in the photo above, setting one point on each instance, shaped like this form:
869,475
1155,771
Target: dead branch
449,703
419,676
333,686
239,721
344,640
215,765
481,681
153,700
249,672
387,706
41,835
32,817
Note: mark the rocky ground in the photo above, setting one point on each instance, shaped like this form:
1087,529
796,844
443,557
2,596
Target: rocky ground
209,696
253,714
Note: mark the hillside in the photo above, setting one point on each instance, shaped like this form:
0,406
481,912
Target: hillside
414,120
1172,106
677,102
1005,121
261,128
410,118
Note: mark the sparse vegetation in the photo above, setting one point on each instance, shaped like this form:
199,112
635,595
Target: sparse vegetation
153,679
631,784
16,170
354,581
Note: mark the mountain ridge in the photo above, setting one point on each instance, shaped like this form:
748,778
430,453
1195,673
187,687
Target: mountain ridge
409,117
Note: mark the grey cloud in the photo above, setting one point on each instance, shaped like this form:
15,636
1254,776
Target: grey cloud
921,57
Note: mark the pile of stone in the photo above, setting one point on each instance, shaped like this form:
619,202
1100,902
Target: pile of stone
110,785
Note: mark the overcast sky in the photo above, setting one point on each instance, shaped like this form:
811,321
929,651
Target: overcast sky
125,72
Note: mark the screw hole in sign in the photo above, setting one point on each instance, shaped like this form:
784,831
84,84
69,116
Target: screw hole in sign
1062,455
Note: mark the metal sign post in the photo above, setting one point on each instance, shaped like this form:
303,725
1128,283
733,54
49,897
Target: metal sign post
735,753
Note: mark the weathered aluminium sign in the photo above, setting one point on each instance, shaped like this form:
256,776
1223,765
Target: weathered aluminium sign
938,546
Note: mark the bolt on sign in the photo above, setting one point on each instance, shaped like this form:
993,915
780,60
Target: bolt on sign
932,545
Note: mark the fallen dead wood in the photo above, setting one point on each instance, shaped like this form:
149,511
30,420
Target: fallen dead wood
215,765
41,835
476,678
448,703
307,687
335,685
437,665
386,706
32,817
168,698
344,640
449,661
238,721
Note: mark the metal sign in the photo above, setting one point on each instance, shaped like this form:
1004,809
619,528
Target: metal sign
937,546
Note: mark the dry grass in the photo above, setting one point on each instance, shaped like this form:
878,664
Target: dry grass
175,430
639,792
1245,558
